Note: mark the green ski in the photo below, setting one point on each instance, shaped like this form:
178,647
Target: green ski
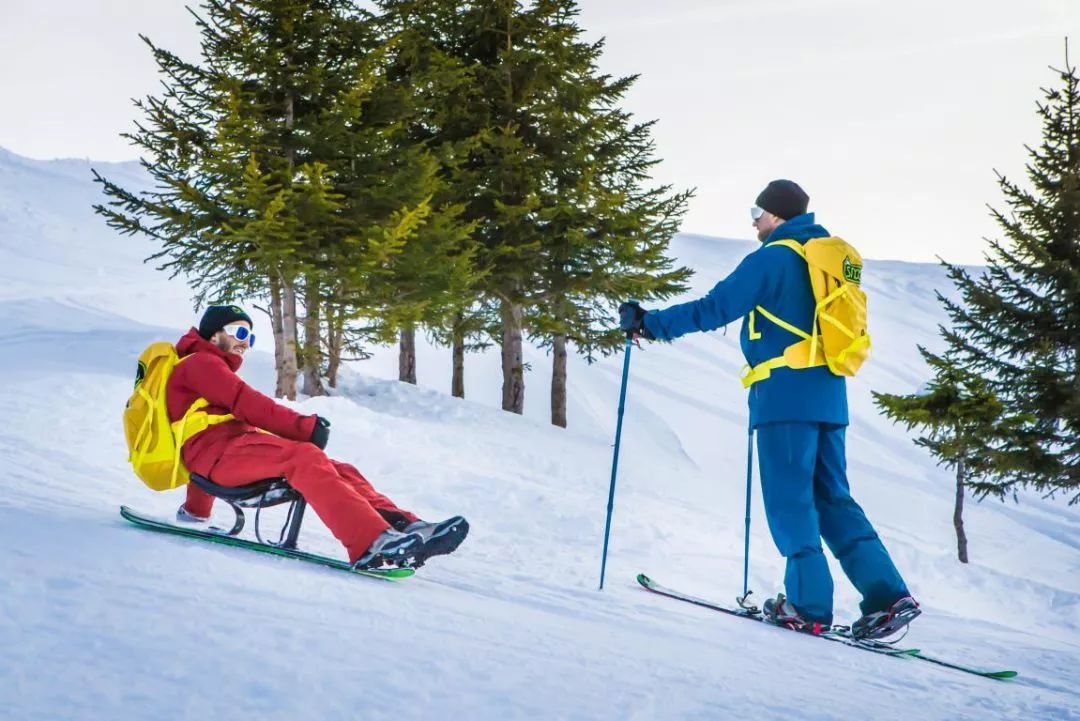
967,669
873,646
152,524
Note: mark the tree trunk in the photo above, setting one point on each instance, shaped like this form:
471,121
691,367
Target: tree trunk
313,385
513,368
958,511
457,382
277,326
407,355
335,330
286,385
558,381
287,375
290,121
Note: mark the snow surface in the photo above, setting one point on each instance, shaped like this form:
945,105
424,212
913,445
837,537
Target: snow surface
99,620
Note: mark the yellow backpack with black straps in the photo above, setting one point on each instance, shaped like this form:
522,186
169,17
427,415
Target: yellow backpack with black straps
153,442
838,337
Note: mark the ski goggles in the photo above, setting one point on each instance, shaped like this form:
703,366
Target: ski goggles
756,213
241,333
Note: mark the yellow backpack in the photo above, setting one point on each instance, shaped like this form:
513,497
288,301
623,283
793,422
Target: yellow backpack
838,338
153,442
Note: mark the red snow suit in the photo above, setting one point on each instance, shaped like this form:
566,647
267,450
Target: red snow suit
236,453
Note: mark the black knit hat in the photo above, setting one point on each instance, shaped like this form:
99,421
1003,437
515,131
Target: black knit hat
784,199
217,317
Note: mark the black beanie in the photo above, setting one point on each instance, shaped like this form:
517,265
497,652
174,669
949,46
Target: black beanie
217,317
784,199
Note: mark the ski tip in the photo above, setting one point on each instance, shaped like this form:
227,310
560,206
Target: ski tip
644,580
1001,674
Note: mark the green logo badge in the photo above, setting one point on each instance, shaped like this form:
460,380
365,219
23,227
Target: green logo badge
852,272
140,373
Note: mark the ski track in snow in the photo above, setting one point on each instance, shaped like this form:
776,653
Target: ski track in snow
99,620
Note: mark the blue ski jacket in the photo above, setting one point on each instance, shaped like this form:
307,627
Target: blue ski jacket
775,278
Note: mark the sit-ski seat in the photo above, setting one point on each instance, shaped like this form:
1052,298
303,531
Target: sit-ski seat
259,495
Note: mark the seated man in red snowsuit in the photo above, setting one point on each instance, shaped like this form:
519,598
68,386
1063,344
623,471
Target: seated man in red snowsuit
237,452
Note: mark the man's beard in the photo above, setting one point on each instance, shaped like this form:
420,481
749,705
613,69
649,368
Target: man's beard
223,345
762,235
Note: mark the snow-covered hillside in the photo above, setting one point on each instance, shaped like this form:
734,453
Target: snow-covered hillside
99,620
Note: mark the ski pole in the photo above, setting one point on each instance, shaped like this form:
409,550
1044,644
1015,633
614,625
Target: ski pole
746,534
615,459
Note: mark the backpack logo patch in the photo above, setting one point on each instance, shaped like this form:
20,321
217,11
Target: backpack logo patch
852,272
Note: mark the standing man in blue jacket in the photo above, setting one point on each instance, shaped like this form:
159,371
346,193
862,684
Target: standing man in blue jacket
799,416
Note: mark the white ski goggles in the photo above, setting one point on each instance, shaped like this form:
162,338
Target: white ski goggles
241,333
756,212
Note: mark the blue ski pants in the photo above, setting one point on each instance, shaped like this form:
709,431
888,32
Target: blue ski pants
805,491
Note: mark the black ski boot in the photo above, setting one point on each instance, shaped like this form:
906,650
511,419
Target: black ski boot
393,548
440,538
881,624
782,612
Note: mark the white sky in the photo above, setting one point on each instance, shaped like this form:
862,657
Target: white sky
892,114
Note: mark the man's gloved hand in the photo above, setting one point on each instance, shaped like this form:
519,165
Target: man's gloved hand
632,319
321,433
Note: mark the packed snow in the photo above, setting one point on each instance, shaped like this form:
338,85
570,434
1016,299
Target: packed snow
100,620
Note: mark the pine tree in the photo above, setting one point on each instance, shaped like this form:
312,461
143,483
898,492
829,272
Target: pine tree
1018,324
272,158
219,205
434,280
549,171
964,424
473,59
505,169
605,232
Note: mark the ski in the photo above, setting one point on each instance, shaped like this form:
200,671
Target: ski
153,524
985,673
872,646
655,587
940,662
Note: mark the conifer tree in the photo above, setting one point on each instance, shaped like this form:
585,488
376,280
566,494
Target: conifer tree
436,271
964,425
605,232
472,55
1018,324
269,156
436,283
504,168
548,169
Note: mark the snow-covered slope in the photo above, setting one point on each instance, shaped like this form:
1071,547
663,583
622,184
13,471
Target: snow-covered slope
101,621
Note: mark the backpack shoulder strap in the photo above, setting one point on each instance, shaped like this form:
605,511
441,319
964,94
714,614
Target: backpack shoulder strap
798,248
792,244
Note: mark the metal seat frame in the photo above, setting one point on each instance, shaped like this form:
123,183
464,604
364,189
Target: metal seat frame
259,495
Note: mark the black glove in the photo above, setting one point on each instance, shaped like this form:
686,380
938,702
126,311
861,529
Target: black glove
632,319
321,433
